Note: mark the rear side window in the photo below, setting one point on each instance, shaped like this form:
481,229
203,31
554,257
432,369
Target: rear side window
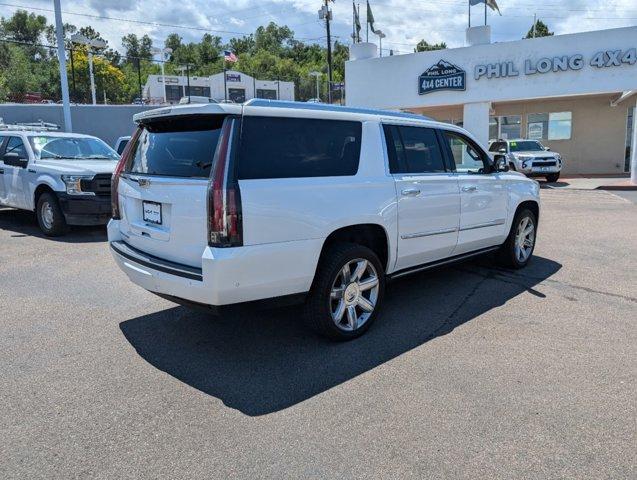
276,147
413,150
177,147
122,146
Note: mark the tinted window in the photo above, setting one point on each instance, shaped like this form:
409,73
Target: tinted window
466,155
177,147
121,146
16,146
497,146
298,147
526,146
414,150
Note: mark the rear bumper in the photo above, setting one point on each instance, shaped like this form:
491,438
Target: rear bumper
85,210
227,275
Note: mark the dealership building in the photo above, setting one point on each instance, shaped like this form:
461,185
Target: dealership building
237,87
575,93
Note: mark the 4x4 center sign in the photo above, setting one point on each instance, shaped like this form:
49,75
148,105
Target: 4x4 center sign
442,76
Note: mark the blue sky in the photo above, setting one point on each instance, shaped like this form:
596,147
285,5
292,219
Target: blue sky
404,21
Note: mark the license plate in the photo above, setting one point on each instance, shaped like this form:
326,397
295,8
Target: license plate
152,212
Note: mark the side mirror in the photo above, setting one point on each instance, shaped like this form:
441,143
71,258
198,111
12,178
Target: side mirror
548,149
14,160
500,164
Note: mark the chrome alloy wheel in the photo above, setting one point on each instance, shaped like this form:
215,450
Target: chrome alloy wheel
524,239
46,213
354,294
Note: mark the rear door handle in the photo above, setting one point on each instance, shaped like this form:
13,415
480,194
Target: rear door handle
471,188
411,192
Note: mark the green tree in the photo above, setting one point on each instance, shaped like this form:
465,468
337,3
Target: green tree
23,27
136,47
541,30
245,44
424,46
108,78
22,78
273,38
209,49
173,41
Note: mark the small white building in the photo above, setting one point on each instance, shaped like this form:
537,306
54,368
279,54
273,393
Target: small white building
237,87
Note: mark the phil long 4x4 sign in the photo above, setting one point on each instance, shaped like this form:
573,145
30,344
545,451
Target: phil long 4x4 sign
442,76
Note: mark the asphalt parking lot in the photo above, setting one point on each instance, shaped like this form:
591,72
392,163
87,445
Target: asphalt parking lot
471,372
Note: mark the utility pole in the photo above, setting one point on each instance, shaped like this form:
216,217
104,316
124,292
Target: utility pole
64,81
326,13
534,24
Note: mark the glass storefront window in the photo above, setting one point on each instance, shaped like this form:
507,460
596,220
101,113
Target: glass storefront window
509,126
174,93
549,126
198,91
266,93
494,128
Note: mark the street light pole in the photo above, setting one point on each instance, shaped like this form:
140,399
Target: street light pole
90,70
163,53
316,75
64,81
90,43
381,35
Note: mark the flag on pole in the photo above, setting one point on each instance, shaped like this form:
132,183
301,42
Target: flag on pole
370,19
492,4
229,56
357,24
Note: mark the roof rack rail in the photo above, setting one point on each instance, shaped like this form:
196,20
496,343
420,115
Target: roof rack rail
261,102
38,126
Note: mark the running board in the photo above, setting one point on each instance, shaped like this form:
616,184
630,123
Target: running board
438,263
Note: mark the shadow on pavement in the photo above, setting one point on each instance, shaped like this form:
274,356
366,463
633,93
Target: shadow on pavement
260,362
23,223
558,184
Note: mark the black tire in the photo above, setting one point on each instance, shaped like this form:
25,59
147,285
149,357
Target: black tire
56,225
553,177
319,303
508,255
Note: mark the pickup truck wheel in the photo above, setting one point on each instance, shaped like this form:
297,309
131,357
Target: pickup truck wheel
346,293
518,248
50,216
553,177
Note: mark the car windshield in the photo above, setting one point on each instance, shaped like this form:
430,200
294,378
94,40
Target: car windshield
526,146
76,148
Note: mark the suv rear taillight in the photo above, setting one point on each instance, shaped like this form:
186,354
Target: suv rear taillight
121,165
224,198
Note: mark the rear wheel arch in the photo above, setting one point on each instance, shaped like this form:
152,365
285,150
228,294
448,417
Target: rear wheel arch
370,235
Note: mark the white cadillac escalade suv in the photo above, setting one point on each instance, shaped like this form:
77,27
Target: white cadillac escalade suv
220,204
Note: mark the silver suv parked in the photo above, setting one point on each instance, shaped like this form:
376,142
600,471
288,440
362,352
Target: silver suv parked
529,157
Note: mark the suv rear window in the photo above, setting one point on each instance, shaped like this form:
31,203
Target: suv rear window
276,147
177,147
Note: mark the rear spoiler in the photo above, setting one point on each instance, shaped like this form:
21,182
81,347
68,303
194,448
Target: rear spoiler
189,109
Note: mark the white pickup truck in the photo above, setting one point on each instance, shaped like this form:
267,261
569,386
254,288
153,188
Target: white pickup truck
65,178
221,204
